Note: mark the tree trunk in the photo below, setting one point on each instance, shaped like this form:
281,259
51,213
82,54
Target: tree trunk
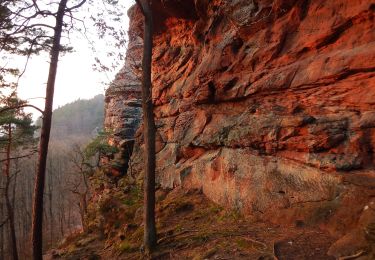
83,208
149,130
84,197
2,217
12,230
8,205
50,210
69,219
2,240
62,214
37,223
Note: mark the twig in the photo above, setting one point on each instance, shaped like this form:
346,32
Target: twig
76,6
352,256
175,235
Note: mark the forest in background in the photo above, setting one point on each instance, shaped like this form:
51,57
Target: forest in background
67,192
77,119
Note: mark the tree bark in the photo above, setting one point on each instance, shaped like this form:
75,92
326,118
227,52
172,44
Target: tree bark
2,240
149,130
12,230
84,197
37,223
50,210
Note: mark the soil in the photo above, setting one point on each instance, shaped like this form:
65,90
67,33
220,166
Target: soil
192,227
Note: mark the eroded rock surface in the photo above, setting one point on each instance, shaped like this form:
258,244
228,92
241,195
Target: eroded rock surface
268,106
123,107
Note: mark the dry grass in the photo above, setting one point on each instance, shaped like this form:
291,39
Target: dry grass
191,227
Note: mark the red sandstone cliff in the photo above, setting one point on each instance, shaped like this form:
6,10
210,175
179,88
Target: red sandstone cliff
268,106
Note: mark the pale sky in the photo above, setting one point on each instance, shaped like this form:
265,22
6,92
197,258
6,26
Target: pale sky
75,76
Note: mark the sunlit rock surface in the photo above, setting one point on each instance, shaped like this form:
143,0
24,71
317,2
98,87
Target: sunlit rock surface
123,107
268,106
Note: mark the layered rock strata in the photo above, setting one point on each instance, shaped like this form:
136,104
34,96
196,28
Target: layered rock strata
268,106
123,106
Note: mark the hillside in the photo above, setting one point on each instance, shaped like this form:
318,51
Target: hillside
190,227
80,118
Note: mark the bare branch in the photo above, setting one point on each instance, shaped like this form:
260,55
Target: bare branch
21,106
19,157
76,6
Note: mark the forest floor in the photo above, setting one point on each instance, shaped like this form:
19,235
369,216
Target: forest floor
192,227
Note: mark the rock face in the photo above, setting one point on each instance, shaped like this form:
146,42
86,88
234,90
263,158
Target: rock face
268,106
123,110
123,107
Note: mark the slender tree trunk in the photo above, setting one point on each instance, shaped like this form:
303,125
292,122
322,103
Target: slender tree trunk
60,198
2,242
62,214
61,224
50,209
24,220
83,208
13,205
149,130
14,188
69,219
37,223
84,197
12,230
1,237
8,204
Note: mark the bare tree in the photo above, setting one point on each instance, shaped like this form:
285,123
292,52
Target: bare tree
149,129
81,186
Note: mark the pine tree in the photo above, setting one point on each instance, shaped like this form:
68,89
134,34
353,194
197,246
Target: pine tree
16,131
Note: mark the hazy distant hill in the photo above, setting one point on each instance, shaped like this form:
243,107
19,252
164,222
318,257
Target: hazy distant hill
80,118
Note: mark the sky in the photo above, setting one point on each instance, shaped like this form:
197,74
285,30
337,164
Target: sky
75,78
